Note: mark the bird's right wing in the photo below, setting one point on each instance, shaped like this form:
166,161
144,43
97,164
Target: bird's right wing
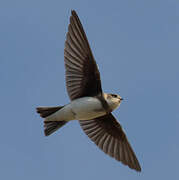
82,74
109,136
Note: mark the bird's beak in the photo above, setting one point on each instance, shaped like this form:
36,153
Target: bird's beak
121,99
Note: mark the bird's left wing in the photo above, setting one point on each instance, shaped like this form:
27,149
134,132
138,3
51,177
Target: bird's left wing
82,74
109,136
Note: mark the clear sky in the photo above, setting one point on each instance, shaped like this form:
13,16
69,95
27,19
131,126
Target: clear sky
136,46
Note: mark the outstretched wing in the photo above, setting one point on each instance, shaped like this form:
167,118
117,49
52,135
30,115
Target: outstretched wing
108,135
82,74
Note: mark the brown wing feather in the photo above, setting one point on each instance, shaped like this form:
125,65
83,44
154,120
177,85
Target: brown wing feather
108,135
82,74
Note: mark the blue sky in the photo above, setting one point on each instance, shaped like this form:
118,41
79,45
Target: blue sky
136,46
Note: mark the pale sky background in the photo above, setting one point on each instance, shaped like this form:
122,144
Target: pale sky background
136,46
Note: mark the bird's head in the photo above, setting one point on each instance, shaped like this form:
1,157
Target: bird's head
113,100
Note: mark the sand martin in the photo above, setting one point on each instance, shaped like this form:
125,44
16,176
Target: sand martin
89,104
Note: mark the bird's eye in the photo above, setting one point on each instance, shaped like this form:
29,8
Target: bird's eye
114,95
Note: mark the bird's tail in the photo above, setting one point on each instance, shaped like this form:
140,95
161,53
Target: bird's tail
51,126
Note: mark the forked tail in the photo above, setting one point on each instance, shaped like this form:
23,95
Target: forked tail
50,127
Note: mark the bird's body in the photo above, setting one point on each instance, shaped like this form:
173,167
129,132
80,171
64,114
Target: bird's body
88,103
84,108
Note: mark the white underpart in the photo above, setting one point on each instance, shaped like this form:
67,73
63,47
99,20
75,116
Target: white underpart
87,108
82,109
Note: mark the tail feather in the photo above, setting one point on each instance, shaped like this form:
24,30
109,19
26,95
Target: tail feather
51,126
47,111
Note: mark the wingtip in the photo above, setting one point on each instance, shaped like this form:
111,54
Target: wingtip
73,12
138,169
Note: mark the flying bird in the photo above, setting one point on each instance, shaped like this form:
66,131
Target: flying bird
89,104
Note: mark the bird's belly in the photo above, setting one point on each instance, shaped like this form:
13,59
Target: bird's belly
87,108
64,114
